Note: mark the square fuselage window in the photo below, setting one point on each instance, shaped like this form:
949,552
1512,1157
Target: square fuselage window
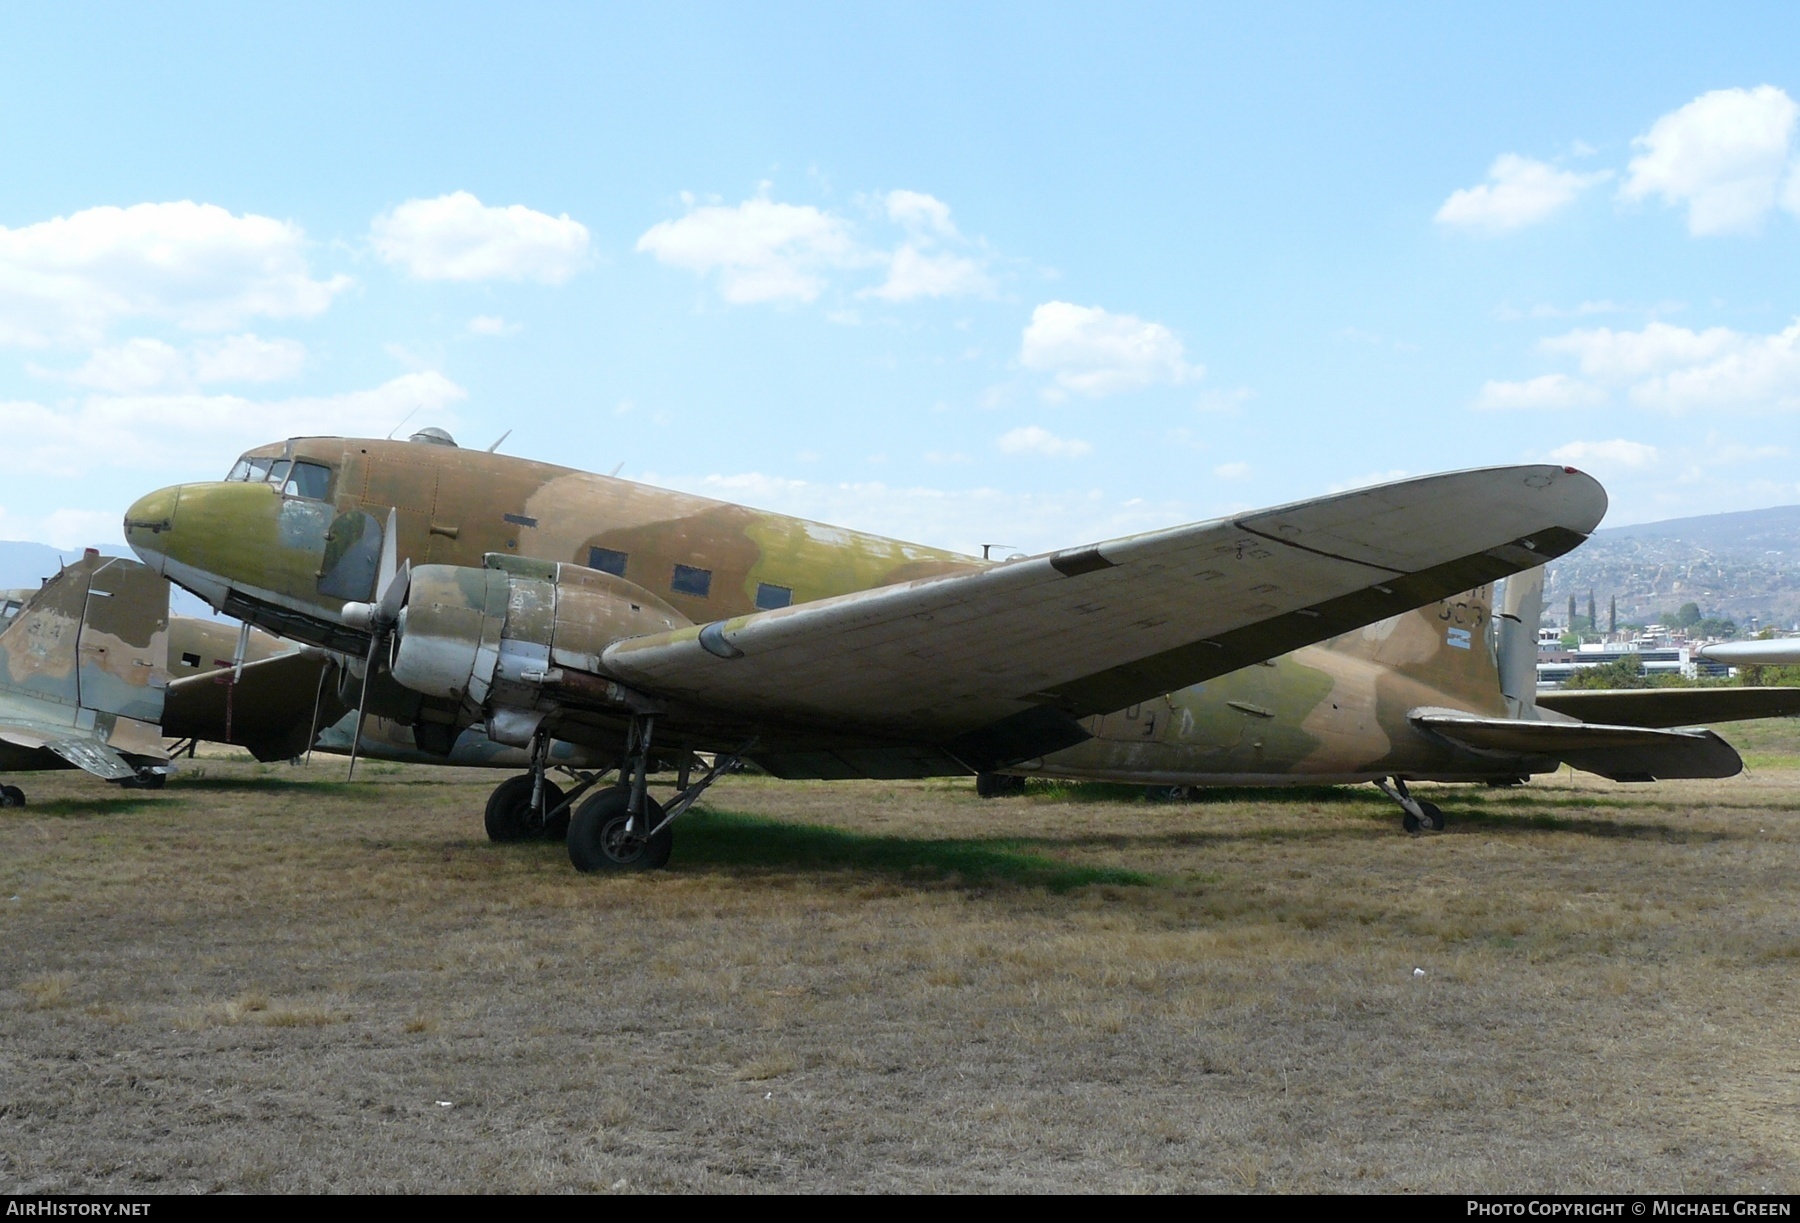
607,560
691,581
768,597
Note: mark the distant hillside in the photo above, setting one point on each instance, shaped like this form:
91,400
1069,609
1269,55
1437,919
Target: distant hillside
24,566
1739,565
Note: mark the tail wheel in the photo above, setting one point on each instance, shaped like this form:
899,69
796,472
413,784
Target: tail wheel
599,839
510,818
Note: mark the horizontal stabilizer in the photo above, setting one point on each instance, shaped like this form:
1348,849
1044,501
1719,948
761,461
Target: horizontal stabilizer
269,709
95,757
997,663
1621,753
1776,652
1672,706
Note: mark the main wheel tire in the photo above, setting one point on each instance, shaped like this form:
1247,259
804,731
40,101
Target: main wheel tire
509,815
598,840
1434,816
998,785
11,796
1410,822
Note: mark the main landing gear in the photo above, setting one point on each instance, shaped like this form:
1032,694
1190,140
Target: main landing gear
11,796
1417,815
618,828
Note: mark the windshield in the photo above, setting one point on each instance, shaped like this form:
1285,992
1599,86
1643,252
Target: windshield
301,479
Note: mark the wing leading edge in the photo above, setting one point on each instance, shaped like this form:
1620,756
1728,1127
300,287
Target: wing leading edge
995,666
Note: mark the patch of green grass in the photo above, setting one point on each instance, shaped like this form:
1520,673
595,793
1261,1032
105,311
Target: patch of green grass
723,838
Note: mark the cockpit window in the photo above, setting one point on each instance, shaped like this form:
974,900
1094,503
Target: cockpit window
278,473
248,468
309,480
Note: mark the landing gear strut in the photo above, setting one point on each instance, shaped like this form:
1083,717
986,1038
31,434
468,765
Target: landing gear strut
1417,814
622,828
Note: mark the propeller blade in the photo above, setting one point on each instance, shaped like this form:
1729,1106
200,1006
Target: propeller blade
390,555
393,598
362,702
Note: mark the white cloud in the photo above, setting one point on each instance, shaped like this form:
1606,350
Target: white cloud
247,358
1094,352
1677,370
64,528
914,273
1621,355
194,265
1232,471
493,324
1615,453
918,211
145,364
1519,192
148,432
762,251
1031,439
1549,392
457,237
1724,155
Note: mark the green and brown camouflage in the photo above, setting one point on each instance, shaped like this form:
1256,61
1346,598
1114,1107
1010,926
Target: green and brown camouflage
82,672
708,559
1338,711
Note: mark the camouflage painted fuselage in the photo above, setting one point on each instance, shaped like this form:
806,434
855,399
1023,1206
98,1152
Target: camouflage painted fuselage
1333,712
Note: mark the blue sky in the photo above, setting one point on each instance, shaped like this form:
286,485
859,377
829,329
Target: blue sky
1026,274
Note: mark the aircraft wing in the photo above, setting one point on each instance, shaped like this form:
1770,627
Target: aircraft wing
1672,706
995,665
1622,753
269,709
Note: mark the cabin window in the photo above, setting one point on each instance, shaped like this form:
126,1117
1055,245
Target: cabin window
768,597
691,581
607,560
248,468
190,660
309,480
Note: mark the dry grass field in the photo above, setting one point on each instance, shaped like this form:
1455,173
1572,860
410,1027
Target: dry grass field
263,979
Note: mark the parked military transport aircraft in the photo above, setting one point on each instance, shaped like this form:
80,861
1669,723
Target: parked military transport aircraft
81,668
650,625
1444,693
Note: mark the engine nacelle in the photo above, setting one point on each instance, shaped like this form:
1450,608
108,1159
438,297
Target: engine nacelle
518,626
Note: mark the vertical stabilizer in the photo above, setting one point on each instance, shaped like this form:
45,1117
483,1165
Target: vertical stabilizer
1521,611
124,650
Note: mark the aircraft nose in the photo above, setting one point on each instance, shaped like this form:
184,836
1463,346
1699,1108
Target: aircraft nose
148,523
